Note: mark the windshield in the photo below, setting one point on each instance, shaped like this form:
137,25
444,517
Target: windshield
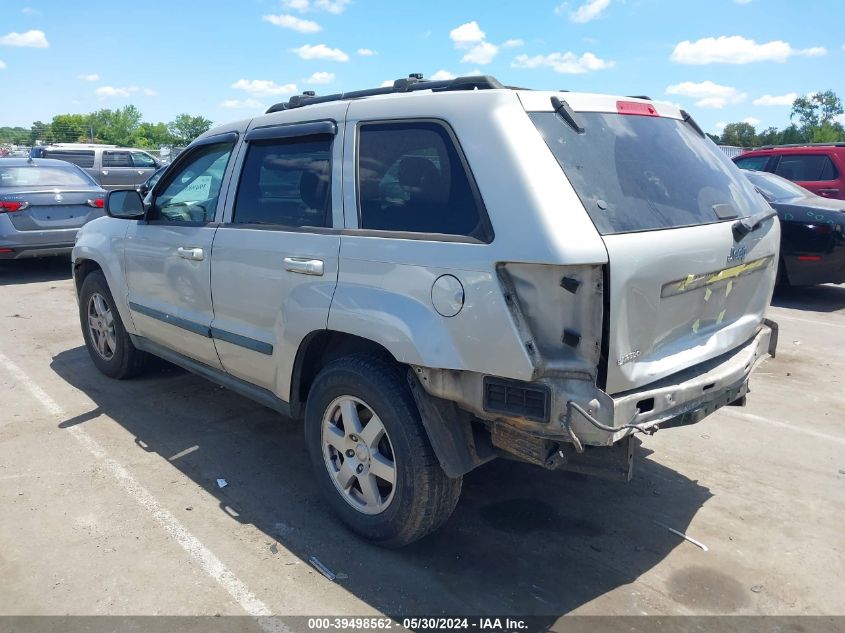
776,187
644,173
43,177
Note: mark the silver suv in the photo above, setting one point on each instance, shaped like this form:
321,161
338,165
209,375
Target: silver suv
438,273
111,166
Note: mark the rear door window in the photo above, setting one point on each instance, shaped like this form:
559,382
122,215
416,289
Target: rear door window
806,167
413,178
286,183
752,162
116,159
644,173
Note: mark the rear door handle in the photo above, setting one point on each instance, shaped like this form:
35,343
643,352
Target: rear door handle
190,253
828,190
304,266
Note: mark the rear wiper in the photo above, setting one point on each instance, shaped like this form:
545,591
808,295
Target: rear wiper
743,227
565,112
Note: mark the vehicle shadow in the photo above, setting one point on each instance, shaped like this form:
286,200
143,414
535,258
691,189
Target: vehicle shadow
29,271
523,540
824,298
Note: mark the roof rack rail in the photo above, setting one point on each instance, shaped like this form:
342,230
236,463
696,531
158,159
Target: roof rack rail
830,144
647,98
413,83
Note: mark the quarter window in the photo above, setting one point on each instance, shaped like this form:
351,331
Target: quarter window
752,162
193,188
411,178
82,158
116,159
806,167
286,182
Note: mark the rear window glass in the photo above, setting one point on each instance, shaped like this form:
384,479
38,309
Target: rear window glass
82,158
642,173
777,188
43,177
806,167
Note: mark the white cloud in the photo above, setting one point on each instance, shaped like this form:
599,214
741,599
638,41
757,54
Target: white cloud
321,51
707,94
320,78
2,64
110,91
467,34
742,1
568,63
751,121
366,52
30,39
150,92
263,87
720,125
387,83
589,11
30,11
331,6
839,118
243,104
736,49
293,23
776,100
441,75
91,77
482,53
514,43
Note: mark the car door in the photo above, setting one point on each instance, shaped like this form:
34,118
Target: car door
816,172
167,256
116,170
145,166
274,263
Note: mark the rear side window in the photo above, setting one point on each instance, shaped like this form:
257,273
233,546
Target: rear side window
806,167
83,158
752,162
644,173
140,159
286,182
116,159
412,178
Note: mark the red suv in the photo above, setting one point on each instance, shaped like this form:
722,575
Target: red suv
819,167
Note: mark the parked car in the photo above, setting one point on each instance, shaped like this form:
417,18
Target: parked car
43,203
441,272
819,167
812,245
111,166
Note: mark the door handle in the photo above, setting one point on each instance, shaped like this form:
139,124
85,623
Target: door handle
304,266
105,172
190,253
828,190
140,172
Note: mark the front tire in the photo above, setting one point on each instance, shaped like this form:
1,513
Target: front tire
371,455
108,344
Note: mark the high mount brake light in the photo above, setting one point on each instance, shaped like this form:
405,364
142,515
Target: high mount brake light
10,206
635,108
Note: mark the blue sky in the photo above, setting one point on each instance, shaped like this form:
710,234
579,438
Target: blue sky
724,60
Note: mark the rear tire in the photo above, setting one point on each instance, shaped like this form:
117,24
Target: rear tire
108,344
362,428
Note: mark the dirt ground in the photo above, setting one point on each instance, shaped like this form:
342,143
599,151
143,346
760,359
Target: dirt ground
111,506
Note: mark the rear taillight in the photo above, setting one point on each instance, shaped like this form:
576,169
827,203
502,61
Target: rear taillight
10,206
97,203
809,258
635,107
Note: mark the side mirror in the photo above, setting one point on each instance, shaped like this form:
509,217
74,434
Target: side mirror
125,204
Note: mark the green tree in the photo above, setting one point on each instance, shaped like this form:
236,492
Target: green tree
791,134
185,128
816,113
713,137
69,128
116,127
152,135
769,136
740,134
40,132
